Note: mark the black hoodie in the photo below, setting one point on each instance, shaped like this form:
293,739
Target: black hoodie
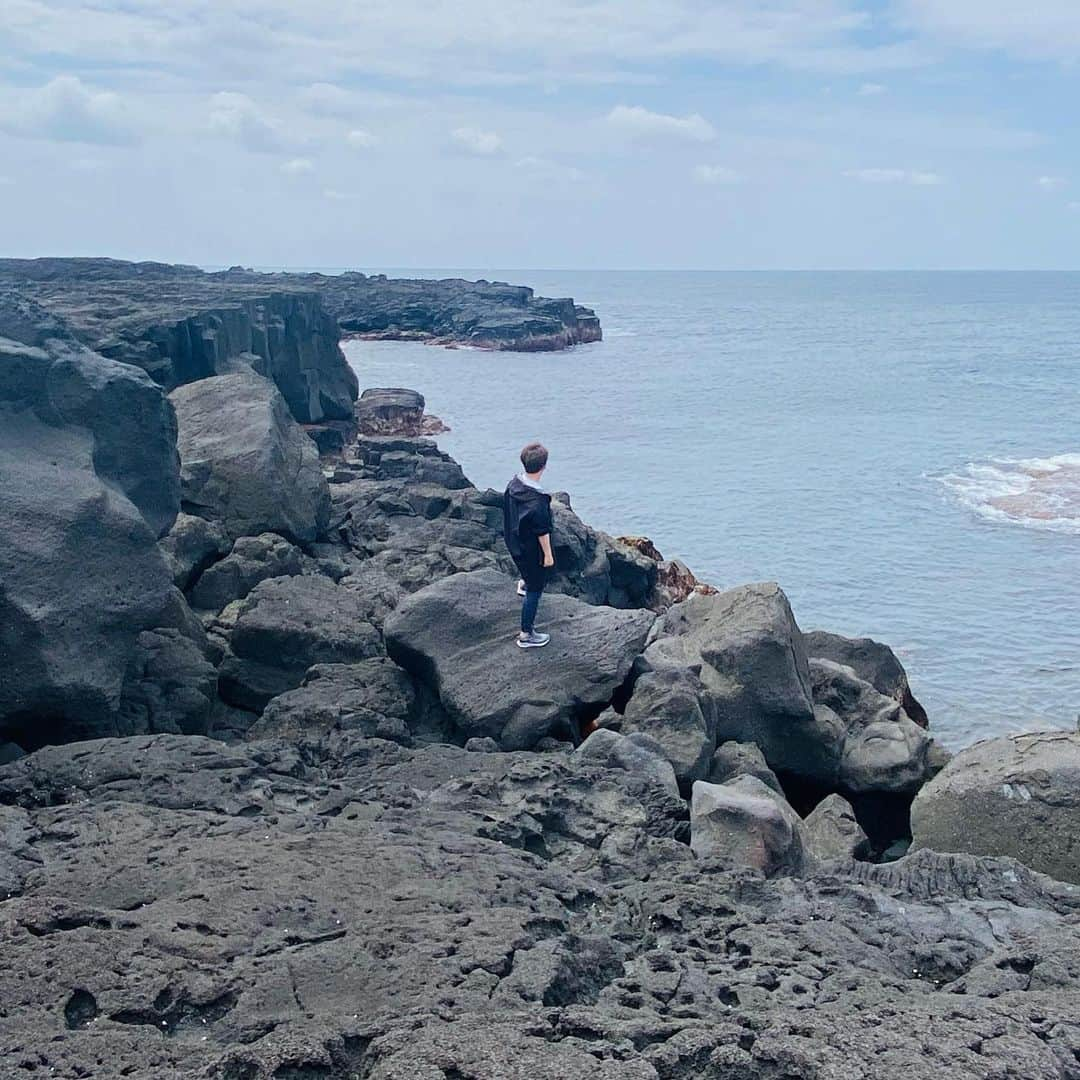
526,516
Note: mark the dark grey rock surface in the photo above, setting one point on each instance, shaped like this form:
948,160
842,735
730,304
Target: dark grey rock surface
343,890
89,479
285,626
252,559
341,906
182,324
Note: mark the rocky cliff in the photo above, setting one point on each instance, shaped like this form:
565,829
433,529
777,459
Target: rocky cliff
296,807
180,323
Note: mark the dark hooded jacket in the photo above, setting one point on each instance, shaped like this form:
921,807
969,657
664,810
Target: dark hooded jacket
526,516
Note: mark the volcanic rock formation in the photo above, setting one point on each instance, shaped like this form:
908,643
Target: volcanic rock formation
280,799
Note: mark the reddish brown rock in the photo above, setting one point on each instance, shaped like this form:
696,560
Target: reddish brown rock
675,581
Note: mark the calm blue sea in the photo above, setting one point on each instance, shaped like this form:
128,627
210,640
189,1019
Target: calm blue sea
901,451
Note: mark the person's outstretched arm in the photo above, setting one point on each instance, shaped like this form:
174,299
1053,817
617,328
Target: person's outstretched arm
545,547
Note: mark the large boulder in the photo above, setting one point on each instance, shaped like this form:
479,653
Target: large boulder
374,697
741,653
88,481
285,626
745,823
245,462
192,545
669,706
882,748
873,662
458,636
1018,795
831,831
252,559
733,666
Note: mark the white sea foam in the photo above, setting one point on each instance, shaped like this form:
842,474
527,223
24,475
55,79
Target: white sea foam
1036,493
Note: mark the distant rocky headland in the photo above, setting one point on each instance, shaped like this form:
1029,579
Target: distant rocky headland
280,799
113,304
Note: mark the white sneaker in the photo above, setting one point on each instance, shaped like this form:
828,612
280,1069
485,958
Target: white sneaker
533,640
521,587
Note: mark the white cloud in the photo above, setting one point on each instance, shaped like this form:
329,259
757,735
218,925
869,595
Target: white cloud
715,174
298,167
1074,206
1051,183
638,121
339,196
67,110
895,176
472,140
361,140
455,42
6,181
870,89
236,116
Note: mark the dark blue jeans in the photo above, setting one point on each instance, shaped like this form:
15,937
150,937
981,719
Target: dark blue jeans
528,610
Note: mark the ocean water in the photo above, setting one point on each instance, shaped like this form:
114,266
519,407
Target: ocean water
901,451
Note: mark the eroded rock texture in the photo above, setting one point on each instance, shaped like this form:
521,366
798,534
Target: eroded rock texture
340,906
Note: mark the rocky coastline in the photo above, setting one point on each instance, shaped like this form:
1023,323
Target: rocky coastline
279,799
181,323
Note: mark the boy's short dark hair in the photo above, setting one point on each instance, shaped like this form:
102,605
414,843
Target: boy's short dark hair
534,457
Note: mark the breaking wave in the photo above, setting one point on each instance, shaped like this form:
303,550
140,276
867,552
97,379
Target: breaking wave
1036,493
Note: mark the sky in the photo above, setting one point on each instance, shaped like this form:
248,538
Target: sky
599,134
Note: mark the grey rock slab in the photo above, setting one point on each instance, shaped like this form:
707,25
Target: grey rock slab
1017,796
89,479
458,636
374,697
81,578
832,832
245,462
251,560
192,545
745,823
285,626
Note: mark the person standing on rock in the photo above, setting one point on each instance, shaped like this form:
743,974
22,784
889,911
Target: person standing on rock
527,531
